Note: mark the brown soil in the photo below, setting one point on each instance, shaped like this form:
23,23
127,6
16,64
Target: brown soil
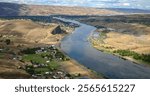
136,39
75,68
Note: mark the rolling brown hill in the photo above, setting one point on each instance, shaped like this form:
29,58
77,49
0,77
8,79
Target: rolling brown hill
12,9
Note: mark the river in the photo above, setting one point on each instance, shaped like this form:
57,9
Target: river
77,46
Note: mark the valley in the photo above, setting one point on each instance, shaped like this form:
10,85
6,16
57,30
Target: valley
30,49
73,42
126,36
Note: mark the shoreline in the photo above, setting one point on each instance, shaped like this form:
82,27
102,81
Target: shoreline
75,68
102,49
46,40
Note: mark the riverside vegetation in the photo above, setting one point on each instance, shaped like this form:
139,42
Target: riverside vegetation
143,57
126,36
132,54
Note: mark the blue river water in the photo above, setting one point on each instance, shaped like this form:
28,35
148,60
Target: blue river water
77,46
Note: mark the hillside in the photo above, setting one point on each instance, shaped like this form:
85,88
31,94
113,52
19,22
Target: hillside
127,35
21,29
11,9
29,49
130,10
19,35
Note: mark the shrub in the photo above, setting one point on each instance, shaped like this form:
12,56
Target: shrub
7,41
133,54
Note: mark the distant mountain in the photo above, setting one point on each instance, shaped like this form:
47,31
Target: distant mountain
12,9
9,9
127,10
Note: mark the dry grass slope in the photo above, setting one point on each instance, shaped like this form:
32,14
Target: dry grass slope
25,34
47,10
11,9
29,31
22,34
137,40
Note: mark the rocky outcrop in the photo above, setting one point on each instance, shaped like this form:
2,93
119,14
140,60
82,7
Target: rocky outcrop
57,30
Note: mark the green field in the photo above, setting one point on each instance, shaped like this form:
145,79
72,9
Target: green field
33,58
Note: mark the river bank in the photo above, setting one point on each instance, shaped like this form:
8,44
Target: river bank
76,46
76,69
47,56
28,50
100,41
111,51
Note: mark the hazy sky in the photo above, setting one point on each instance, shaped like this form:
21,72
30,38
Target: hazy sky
141,4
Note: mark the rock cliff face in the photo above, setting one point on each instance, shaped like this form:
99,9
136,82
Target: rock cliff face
57,30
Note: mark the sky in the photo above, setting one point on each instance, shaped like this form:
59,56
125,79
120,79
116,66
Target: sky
136,4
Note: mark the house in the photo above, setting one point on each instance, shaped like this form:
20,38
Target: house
47,61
